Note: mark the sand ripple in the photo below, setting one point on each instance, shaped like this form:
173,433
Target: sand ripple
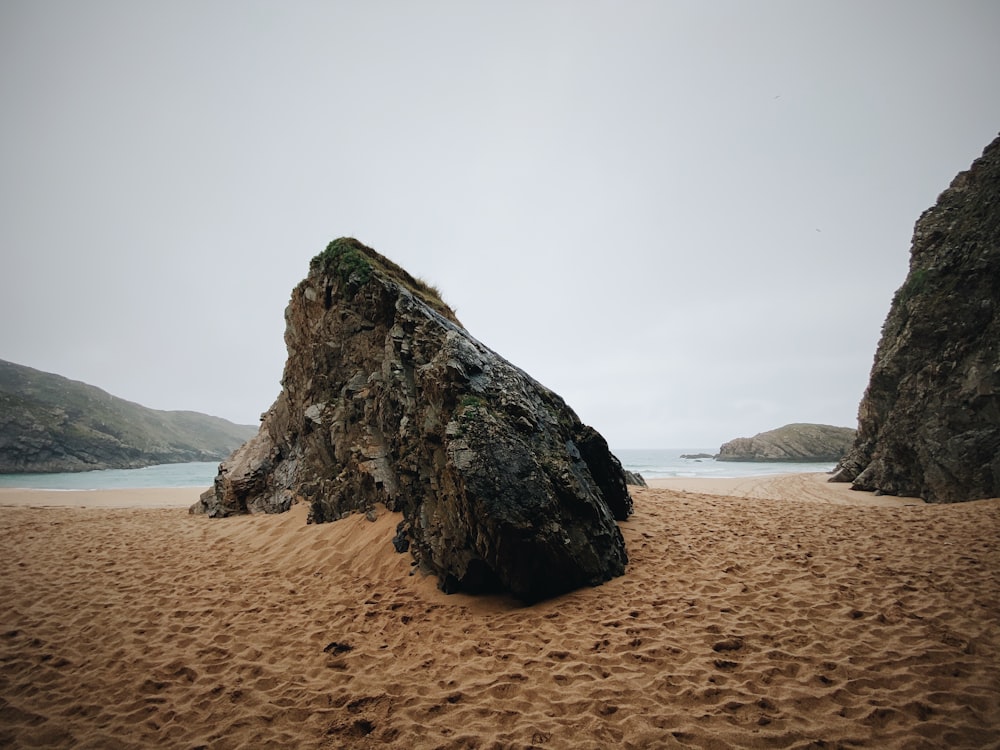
742,622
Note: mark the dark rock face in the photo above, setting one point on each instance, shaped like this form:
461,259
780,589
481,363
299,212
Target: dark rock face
793,442
929,421
387,399
635,479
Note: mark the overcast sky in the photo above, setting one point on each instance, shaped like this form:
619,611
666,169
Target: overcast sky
686,218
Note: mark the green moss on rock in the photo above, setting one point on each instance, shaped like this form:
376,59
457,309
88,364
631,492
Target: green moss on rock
354,264
346,259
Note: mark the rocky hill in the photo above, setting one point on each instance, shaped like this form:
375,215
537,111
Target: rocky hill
49,423
793,442
929,421
388,400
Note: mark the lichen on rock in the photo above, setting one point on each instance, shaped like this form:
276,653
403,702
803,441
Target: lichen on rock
387,399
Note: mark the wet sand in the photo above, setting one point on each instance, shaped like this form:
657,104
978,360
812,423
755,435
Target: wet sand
775,619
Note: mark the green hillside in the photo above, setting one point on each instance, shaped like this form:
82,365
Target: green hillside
49,423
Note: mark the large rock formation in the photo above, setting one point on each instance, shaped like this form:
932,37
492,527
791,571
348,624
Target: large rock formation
49,423
387,399
929,421
794,442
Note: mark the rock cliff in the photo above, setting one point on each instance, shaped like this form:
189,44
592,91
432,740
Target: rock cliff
793,442
49,423
387,399
929,421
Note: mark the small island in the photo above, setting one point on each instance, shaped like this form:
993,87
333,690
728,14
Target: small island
803,443
697,455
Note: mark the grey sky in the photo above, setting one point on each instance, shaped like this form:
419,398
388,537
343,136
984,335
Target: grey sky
687,218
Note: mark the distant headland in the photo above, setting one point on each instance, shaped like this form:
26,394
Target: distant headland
49,423
813,443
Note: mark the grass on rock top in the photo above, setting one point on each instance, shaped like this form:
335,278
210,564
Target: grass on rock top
355,263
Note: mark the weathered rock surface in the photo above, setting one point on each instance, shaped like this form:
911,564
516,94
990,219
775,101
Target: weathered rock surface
793,442
929,421
49,423
634,479
387,399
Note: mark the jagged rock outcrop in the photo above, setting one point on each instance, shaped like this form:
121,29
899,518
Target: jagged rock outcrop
387,399
929,421
793,442
49,423
635,479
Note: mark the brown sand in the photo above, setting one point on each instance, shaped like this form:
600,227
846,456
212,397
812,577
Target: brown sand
741,622
815,487
145,498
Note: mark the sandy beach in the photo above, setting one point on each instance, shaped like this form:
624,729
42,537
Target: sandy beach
812,487
145,498
766,613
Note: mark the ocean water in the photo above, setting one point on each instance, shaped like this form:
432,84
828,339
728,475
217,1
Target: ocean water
652,464
200,474
664,463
